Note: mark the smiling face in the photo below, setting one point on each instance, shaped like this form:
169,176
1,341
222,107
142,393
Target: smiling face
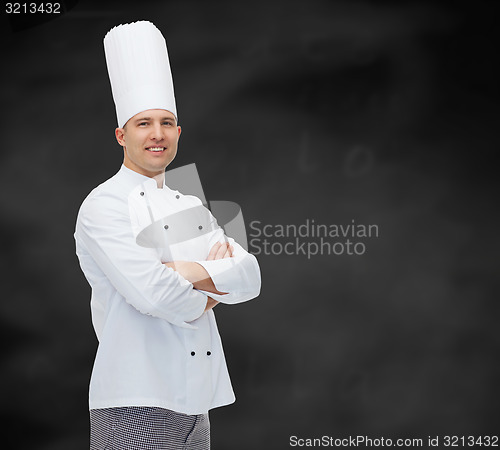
149,140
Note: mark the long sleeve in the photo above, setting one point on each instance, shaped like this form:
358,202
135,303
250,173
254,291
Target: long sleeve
157,346
239,275
104,234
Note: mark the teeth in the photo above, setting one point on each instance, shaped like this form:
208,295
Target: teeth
155,149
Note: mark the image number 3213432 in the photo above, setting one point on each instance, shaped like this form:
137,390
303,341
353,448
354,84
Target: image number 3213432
33,8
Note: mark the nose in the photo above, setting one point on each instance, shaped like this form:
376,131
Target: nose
157,132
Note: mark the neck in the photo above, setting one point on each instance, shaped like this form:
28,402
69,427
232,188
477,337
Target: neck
160,180
158,176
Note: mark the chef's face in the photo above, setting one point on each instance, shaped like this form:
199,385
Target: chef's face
149,140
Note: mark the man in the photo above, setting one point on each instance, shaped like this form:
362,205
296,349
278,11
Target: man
157,263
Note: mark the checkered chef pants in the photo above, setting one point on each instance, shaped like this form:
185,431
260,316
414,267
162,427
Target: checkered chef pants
147,428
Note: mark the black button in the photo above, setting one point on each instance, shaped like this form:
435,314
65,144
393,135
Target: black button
166,227
200,227
142,193
209,353
193,353
177,196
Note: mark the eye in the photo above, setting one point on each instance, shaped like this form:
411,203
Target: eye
168,123
142,124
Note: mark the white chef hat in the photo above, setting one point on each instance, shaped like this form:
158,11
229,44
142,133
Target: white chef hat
139,70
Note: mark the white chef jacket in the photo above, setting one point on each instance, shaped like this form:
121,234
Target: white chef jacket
157,346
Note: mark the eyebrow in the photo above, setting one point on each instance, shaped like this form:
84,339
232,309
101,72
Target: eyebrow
149,118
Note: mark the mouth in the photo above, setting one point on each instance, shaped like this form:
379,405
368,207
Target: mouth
156,149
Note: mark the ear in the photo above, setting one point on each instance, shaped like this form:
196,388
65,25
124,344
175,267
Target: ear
178,131
119,134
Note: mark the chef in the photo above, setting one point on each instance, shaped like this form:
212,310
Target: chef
157,263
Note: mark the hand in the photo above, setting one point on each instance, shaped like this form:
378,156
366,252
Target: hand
210,303
220,251
198,276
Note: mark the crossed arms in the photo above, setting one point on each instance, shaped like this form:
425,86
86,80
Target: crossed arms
198,276
176,291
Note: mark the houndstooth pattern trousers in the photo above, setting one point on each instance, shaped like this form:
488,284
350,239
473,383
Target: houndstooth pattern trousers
147,428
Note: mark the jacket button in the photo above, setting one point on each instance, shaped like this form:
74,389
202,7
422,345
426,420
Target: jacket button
177,196
209,353
193,353
142,193
200,227
166,227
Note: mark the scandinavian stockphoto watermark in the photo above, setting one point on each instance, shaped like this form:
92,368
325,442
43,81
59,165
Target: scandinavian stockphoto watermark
355,441
166,226
381,441
310,238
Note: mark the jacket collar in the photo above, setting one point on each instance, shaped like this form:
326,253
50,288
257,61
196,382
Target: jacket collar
132,178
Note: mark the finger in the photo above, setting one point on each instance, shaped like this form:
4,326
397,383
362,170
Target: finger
229,252
211,303
213,251
221,251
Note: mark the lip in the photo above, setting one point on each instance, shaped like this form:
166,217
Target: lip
153,151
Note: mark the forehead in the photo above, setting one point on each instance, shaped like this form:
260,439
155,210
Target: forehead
154,114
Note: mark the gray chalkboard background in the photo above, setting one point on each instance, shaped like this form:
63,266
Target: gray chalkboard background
338,112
